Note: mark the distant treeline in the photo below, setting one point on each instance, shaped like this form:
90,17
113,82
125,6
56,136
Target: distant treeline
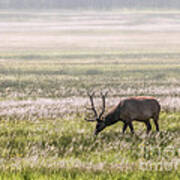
88,4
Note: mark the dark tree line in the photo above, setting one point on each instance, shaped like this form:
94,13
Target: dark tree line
91,4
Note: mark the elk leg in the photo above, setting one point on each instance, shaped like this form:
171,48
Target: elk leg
125,127
155,119
148,127
131,127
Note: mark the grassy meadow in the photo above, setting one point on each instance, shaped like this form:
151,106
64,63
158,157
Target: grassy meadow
48,62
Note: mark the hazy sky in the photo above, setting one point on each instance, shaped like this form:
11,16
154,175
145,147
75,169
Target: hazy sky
97,4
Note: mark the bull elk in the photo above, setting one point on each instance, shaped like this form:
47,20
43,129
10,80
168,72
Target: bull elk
130,109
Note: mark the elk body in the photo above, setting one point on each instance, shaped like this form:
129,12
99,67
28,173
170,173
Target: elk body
128,110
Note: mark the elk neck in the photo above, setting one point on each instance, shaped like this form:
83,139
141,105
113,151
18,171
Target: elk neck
112,117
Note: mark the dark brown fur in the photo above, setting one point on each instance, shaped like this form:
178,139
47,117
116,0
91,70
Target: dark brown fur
132,109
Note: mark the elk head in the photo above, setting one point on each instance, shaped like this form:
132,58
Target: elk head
100,125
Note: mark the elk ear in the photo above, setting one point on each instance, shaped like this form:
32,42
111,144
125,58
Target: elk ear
99,120
103,118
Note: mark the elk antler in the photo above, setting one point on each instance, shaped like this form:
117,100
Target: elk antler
103,96
92,107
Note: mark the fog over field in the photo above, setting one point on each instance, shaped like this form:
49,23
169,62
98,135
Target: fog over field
57,51
50,58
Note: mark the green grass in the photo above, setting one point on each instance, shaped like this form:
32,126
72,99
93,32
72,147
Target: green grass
75,174
72,77
67,149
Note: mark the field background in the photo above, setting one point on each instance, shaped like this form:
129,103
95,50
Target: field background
48,61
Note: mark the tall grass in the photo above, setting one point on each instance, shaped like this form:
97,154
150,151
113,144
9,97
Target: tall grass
48,62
